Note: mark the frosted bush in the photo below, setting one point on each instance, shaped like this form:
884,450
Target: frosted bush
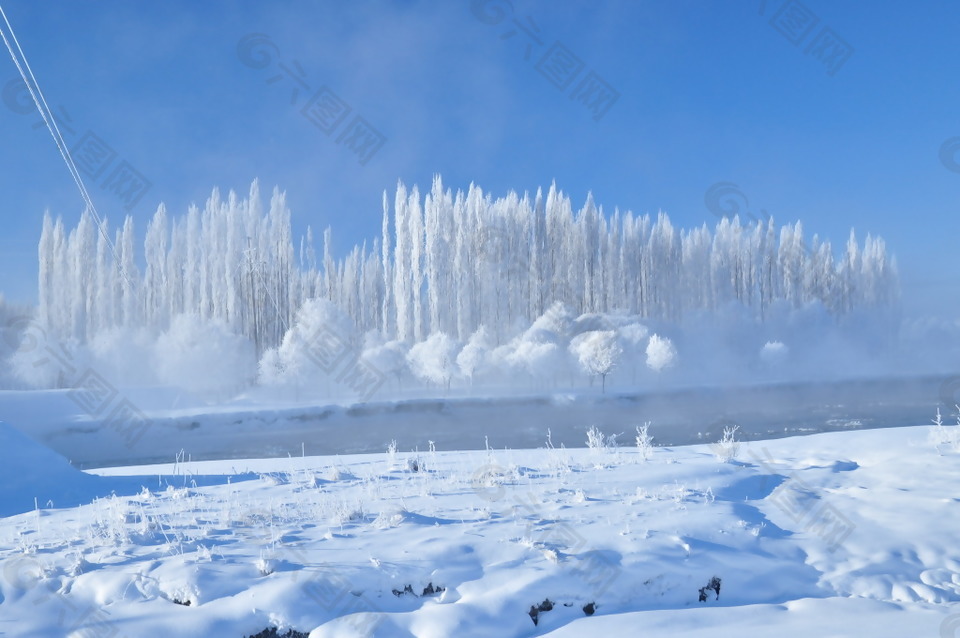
270,369
633,334
945,439
124,354
434,360
644,441
33,364
41,360
727,448
320,336
541,360
774,352
557,319
539,351
597,442
660,353
266,566
388,358
475,354
203,355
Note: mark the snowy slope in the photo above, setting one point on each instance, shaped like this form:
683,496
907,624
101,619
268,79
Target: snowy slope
30,470
839,534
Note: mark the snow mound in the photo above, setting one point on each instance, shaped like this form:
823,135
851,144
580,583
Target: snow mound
29,470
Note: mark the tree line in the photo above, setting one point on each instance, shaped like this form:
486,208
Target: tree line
445,262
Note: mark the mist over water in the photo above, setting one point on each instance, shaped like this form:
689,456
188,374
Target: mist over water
677,417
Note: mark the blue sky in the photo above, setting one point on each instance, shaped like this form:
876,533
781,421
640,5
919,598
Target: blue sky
490,92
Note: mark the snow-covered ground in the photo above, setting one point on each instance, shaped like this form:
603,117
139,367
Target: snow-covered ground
835,534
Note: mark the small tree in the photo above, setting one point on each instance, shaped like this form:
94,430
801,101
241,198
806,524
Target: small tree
203,355
660,353
319,339
540,359
387,357
474,354
598,353
773,353
434,360
644,441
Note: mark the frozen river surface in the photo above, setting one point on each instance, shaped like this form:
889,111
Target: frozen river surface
678,417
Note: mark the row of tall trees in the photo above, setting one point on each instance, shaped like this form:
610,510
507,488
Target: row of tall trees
445,262
230,261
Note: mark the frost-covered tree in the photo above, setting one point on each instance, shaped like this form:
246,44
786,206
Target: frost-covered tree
204,356
598,353
435,359
386,357
773,353
475,353
447,262
661,353
535,354
321,340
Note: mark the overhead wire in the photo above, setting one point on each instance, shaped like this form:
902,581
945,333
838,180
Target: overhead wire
33,87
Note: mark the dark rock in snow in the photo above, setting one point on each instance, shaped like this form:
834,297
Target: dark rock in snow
271,632
714,584
408,589
535,610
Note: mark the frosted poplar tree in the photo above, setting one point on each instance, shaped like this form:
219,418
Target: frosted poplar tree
446,262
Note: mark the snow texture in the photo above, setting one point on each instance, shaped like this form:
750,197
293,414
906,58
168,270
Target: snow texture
840,534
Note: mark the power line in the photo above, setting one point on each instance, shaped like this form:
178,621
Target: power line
29,79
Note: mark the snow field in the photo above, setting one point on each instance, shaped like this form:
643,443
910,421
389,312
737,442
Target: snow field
832,534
